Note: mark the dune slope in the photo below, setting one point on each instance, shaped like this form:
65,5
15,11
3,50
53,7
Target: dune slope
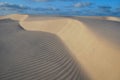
95,42
96,45
33,55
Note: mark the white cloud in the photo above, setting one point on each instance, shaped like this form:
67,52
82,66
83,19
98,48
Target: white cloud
82,4
4,5
40,0
53,0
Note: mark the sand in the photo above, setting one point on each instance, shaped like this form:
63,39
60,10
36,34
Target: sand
17,17
35,55
94,42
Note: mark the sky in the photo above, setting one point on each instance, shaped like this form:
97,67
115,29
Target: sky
61,7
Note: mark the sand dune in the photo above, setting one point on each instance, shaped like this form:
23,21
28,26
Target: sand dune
96,45
33,55
93,41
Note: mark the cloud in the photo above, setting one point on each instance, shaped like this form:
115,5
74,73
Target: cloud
82,4
6,6
41,0
52,9
105,8
76,8
53,0
117,9
105,11
116,12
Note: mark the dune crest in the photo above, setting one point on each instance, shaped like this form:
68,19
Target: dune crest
18,17
113,18
107,18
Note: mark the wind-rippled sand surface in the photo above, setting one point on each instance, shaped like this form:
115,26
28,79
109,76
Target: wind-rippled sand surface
34,55
59,48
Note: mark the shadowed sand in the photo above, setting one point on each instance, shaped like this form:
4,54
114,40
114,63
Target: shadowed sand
93,41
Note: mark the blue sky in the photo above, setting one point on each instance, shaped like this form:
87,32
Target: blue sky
61,7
